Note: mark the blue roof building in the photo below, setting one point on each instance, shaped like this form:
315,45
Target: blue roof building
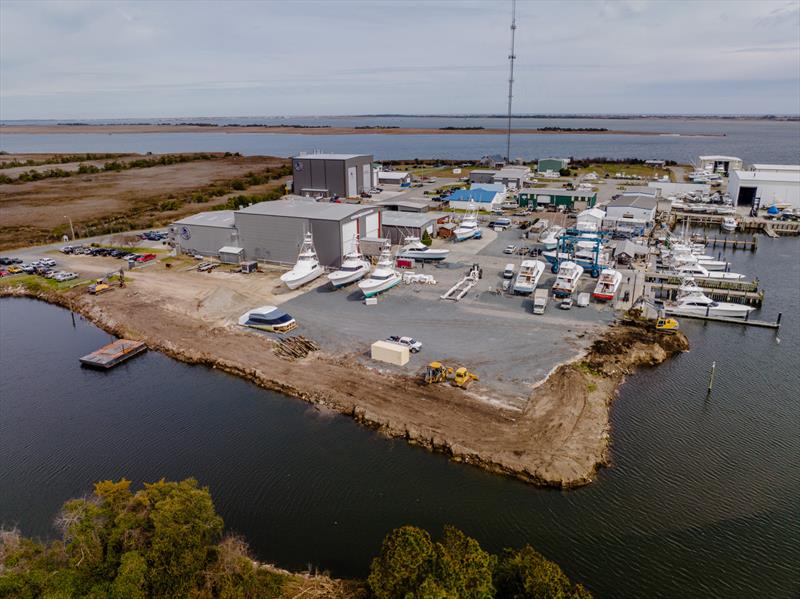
483,198
495,187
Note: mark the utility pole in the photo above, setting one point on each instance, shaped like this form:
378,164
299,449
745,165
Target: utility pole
511,58
71,228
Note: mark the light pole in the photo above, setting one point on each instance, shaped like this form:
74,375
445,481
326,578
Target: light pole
71,228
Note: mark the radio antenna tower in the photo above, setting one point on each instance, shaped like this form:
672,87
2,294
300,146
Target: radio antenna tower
511,58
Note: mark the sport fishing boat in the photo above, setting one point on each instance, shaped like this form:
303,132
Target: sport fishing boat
699,271
706,262
549,237
383,278
354,267
607,285
728,224
468,227
567,279
417,250
528,277
307,268
268,318
692,301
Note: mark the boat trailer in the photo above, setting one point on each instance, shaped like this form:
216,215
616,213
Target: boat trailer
460,289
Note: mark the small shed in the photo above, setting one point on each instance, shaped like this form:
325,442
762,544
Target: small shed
394,177
628,251
230,254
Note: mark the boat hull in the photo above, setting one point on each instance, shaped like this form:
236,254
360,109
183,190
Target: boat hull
733,311
293,281
429,256
349,278
372,291
465,235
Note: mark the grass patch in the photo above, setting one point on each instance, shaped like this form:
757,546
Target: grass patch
587,368
37,284
591,387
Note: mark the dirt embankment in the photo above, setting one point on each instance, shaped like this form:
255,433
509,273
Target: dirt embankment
560,440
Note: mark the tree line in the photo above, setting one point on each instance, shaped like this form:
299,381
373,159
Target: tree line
166,540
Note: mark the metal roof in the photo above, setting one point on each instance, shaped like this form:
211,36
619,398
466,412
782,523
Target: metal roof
410,219
792,168
393,175
721,158
495,187
481,196
769,176
229,249
332,156
555,191
644,201
216,218
631,248
306,209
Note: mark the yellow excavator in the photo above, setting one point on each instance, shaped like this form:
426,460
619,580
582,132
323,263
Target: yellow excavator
436,372
666,325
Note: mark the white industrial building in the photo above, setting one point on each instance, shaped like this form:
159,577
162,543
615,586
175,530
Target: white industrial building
719,164
393,178
770,183
590,219
513,177
631,213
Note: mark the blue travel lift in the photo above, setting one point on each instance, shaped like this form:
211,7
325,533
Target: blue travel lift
567,244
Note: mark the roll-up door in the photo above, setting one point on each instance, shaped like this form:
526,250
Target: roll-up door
349,230
373,226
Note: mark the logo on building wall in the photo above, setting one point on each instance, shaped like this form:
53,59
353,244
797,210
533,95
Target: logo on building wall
298,165
186,232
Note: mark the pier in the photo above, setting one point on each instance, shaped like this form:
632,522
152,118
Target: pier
743,321
666,286
113,354
751,224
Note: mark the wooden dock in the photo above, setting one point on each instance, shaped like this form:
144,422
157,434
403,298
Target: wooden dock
114,353
665,285
743,321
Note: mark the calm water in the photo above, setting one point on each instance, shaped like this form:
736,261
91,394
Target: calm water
753,141
703,498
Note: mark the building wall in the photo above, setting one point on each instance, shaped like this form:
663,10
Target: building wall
769,192
481,177
549,165
330,174
203,240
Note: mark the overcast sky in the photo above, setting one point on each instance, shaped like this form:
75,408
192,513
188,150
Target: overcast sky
68,60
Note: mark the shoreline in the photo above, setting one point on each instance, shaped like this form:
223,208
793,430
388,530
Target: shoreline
561,438
280,130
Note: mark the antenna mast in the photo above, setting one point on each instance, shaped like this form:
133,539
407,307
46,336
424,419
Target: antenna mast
511,58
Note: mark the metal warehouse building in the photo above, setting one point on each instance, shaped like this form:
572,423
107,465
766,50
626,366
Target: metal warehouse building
321,175
770,183
205,233
273,231
542,196
397,226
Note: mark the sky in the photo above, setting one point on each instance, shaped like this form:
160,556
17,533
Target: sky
147,59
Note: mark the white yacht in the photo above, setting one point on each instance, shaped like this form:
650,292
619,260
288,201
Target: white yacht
468,227
417,250
383,278
549,237
307,268
607,285
528,277
268,318
567,279
692,301
705,261
728,224
354,267
697,270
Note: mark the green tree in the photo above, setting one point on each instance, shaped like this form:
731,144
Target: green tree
426,238
462,567
407,558
528,574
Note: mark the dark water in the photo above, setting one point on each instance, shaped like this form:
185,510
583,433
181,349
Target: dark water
703,498
753,141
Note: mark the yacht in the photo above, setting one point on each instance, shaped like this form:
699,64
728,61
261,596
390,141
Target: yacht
307,268
705,261
417,250
607,285
354,267
268,318
728,224
468,227
699,271
567,280
549,237
692,301
528,277
383,278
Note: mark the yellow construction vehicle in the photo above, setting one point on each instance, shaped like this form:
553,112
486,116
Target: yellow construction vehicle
666,325
436,372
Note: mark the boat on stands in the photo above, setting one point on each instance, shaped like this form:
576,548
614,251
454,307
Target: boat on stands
268,318
383,278
607,285
549,237
567,280
530,271
415,249
307,268
468,227
354,268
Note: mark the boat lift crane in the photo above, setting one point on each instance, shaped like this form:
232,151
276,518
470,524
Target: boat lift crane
568,242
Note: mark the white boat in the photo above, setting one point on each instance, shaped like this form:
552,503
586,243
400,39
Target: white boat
354,268
528,277
268,318
549,237
567,279
728,224
383,278
417,250
725,210
607,285
307,267
692,301
697,270
704,261
468,227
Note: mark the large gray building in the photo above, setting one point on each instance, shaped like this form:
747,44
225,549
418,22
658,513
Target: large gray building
325,175
205,233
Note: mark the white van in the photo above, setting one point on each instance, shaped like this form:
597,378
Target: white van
508,272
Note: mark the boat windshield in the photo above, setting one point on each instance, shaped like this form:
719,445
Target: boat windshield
350,268
381,277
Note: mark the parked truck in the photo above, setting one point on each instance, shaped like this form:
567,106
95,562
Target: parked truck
540,297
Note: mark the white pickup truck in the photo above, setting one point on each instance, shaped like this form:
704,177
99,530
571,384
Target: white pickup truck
540,297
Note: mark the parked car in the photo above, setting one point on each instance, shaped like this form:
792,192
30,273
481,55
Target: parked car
508,272
146,258
14,270
365,195
412,344
566,303
510,249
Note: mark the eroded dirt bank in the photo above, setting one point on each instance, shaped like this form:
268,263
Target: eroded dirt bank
561,439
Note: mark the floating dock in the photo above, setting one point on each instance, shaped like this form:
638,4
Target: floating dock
744,321
114,353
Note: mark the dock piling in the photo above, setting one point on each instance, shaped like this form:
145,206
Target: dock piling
711,378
